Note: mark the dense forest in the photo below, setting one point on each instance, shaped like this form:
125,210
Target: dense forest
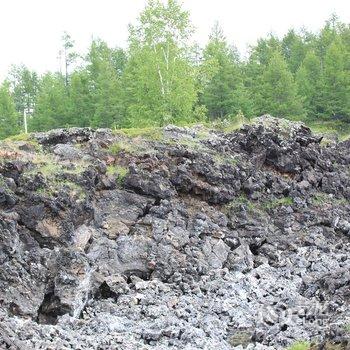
162,77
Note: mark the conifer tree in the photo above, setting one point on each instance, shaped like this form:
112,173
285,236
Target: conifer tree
224,92
8,114
81,102
280,91
337,81
310,81
52,104
104,68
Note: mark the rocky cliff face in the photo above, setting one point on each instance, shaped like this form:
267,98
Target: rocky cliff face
183,238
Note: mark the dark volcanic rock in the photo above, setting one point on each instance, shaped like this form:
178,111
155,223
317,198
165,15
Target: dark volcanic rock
197,240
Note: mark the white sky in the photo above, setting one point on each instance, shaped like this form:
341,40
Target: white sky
30,30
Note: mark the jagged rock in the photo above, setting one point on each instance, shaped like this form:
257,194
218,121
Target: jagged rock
197,240
67,152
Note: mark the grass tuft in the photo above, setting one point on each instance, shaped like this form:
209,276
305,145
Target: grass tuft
150,133
241,200
119,171
120,146
301,345
275,203
19,137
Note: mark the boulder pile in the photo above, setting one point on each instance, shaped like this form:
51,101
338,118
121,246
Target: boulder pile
177,237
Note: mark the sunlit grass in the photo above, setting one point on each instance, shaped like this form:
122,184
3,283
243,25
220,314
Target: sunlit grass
301,345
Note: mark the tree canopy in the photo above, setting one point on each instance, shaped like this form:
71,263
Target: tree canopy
164,77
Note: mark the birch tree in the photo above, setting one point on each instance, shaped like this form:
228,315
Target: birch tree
159,79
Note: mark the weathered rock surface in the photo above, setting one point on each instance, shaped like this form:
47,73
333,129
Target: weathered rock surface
198,239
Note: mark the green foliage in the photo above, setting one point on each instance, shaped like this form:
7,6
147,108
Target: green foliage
329,128
120,171
347,328
301,345
294,48
275,203
321,198
19,137
81,102
24,85
223,90
159,83
52,104
56,185
337,81
310,82
279,90
161,79
8,114
121,146
104,72
242,200
149,133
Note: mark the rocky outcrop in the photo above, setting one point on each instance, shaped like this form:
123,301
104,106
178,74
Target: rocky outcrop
187,238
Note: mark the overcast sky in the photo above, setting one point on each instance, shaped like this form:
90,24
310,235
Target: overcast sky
30,30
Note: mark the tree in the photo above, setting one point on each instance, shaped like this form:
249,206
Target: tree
159,82
24,86
81,100
280,91
294,49
259,57
337,81
8,114
223,90
52,107
68,54
105,67
310,81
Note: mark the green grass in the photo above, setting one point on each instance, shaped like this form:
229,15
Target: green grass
4,186
242,200
48,166
225,159
19,137
272,204
255,206
228,125
57,185
331,129
322,198
47,169
121,146
119,171
301,345
27,138
150,133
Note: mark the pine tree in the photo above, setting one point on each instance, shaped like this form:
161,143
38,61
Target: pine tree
294,49
280,91
81,103
8,114
310,81
223,90
68,54
337,81
259,57
52,105
105,66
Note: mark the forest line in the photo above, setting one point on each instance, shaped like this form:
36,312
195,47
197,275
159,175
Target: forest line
162,78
